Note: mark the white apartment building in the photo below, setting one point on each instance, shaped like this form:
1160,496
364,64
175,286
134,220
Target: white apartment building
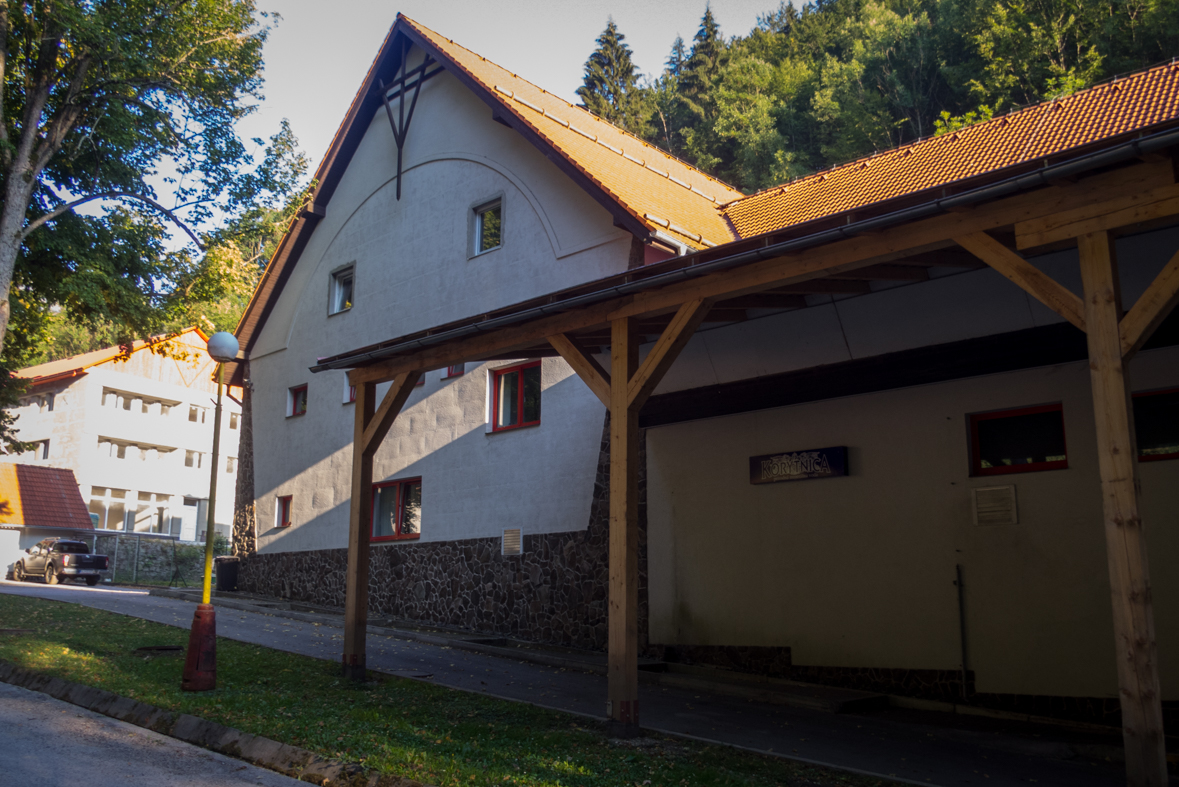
136,427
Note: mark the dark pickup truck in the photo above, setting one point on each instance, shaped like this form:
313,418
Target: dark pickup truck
59,560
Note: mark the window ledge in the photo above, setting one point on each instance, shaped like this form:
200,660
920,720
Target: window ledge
341,311
504,429
485,252
391,539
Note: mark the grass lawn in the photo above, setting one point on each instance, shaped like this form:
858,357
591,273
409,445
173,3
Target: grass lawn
395,725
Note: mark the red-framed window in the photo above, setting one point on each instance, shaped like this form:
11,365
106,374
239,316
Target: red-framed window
397,510
1156,424
458,370
282,514
351,394
297,401
515,396
1023,440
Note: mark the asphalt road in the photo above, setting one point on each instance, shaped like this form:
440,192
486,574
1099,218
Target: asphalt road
924,749
49,743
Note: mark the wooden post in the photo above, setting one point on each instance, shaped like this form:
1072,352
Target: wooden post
359,529
622,706
1133,615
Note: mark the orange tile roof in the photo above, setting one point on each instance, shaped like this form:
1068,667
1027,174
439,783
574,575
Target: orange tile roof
75,365
662,192
1130,104
32,496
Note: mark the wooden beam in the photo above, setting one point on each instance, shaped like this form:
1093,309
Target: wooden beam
586,366
826,287
725,315
1123,211
359,529
787,270
1117,461
1151,309
391,405
887,273
764,300
666,350
1031,279
622,655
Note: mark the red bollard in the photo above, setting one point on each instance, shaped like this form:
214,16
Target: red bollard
200,665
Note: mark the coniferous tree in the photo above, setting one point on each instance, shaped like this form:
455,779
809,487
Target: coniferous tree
610,86
678,57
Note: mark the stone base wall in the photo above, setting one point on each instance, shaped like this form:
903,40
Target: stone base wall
147,560
555,592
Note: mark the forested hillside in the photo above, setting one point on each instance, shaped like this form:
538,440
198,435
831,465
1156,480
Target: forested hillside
819,84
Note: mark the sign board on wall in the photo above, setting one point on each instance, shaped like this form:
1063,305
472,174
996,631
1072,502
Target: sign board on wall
798,465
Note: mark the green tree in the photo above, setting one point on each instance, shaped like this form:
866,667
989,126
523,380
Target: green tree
96,98
610,86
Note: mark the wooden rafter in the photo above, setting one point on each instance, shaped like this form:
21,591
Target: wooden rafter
1031,279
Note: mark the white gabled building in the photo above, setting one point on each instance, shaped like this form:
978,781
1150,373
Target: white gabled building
851,335
135,424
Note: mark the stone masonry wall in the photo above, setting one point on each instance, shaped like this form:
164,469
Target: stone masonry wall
555,592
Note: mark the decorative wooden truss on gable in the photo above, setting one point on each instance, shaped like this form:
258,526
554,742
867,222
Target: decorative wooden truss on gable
1060,207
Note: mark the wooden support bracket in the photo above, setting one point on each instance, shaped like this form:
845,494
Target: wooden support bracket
677,334
1031,279
1151,309
586,366
391,405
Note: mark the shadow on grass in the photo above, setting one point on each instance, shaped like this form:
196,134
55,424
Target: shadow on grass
393,725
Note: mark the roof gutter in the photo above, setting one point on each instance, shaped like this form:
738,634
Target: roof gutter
1041,177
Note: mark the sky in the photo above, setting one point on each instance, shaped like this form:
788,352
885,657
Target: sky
318,54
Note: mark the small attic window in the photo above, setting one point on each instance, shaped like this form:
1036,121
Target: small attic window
487,227
340,296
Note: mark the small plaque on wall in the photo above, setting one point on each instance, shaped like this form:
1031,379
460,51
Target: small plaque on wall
798,465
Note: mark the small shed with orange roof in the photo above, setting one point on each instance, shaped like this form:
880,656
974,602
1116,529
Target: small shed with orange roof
36,503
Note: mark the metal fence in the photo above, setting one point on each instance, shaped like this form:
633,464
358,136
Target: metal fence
142,559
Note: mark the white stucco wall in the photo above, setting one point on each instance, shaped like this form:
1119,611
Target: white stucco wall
475,483
413,270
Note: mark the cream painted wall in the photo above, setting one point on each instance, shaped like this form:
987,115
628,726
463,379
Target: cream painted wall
859,571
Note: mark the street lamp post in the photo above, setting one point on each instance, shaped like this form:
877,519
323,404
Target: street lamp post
200,665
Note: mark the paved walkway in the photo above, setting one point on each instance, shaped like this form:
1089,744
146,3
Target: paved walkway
48,743
924,748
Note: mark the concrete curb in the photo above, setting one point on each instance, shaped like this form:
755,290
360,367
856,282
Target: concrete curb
288,760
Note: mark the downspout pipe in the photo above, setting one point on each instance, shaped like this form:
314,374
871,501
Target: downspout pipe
1044,176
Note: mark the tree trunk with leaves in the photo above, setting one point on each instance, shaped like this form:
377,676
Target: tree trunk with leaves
97,96
245,528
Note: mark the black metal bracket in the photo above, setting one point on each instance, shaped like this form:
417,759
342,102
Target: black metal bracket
400,124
